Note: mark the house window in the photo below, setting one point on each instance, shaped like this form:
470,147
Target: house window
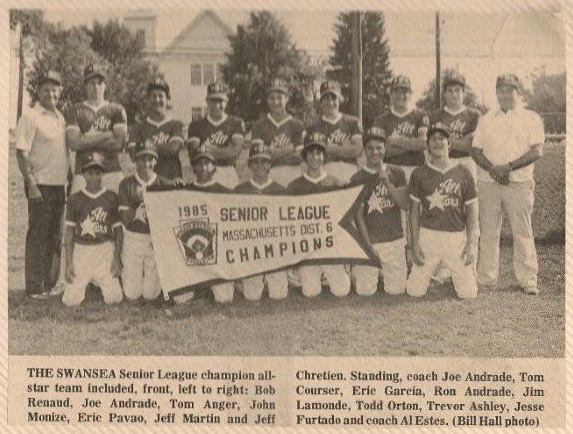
196,113
220,73
208,73
196,74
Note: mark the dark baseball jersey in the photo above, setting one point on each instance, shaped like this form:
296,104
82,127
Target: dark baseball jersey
308,185
338,133
128,200
211,187
382,214
363,175
251,187
461,123
160,133
406,126
444,195
107,117
217,133
274,134
93,216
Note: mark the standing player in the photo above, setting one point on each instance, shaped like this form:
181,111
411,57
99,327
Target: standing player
139,277
203,163
461,121
161,131
261,183
97,124
93,236
222,135
379,220
443,219
316,180
343,133
282,133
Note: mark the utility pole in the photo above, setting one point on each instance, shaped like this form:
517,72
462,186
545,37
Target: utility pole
356,51
20,69
438,64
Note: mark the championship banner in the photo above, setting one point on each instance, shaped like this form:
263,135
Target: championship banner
204,238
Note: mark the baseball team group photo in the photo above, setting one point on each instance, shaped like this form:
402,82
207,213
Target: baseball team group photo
441,152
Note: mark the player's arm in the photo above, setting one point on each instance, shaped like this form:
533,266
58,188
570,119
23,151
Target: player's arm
283,151
463,143
34,193
469,253
126,212
407,143
119,130
226,152
352,148
70,272
172,147
418,254
116,266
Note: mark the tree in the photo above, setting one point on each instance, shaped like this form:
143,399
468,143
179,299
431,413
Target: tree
261,51
376,72
548,98
428,100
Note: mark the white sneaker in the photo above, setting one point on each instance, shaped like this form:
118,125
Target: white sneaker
183,298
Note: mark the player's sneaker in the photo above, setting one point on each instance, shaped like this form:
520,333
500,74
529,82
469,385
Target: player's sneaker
531,290
184,298
56,291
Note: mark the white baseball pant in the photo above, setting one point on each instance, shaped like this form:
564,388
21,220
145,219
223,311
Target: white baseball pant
446,247
277,284
139,276
338,279
223,292
92,263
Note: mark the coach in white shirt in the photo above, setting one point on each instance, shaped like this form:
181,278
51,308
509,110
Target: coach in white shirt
44,162
506,143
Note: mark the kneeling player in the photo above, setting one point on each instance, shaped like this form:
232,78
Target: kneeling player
93,237
379,219
261,183
203,163
316,180
446,228
140,278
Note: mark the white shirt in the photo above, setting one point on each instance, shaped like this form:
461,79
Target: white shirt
503,137
42,133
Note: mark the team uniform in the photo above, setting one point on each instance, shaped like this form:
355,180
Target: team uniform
159,134
338,133
277,281
223,292
219,133
88,119
443,195
383,220
310,275
460,124
404,125
139,276
94,218
274,134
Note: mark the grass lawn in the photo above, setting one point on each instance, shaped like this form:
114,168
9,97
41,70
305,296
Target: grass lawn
499,323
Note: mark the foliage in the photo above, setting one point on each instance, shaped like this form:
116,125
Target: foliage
548,97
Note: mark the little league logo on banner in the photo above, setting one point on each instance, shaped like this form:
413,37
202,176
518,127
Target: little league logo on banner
206,238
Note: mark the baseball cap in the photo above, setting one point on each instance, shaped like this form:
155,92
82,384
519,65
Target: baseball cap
202,151
374,133
508,79
159,83
93,159
50,76
401,81
438,126
332,87
314,140
259,150
217,91
278,85
455,78
145,147
94,70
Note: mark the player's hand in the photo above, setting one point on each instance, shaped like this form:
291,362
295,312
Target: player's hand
383,173
116,267
418,254
499,171
469,254
422,132
378,258
139,193
34,194
70,272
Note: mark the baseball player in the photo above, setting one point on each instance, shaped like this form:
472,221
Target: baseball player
203,163
461,121
261,183
443,219
282,133
316,180
343,133
139,276
378,218
93,236
97,124
165,133
223,135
